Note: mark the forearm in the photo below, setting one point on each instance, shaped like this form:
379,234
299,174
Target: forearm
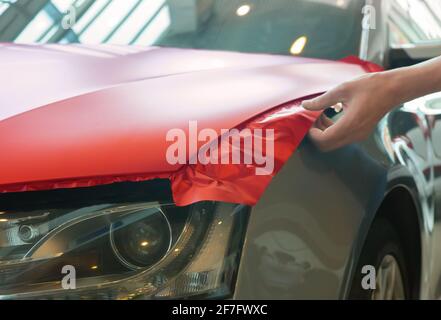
413,82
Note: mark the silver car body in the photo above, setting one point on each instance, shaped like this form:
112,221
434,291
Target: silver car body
306,234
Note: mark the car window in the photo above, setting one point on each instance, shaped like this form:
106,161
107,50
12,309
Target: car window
313,28
415,22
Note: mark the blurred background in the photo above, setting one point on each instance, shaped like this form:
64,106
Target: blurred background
298,27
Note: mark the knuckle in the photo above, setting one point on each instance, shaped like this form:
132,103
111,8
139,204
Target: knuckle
344,88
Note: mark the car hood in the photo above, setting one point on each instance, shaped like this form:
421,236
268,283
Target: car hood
71,112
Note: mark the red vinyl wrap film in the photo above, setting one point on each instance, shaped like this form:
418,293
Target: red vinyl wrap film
239,182
73,139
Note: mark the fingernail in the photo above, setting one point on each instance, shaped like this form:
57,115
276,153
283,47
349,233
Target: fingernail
305,104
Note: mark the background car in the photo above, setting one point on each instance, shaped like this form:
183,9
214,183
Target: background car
324,217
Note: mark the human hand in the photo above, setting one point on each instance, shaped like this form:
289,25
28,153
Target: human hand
364,101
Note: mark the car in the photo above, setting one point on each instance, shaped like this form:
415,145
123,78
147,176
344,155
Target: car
90,209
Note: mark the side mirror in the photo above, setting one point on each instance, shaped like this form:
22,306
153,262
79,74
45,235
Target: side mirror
410,54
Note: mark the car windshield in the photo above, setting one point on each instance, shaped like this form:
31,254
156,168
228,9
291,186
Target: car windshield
313,28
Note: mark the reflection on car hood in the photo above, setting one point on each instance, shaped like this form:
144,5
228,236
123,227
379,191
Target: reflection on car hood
80,111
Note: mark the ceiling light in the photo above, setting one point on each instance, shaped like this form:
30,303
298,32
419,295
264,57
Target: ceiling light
298,45
243,10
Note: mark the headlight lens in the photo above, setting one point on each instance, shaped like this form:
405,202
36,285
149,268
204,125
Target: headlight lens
122,251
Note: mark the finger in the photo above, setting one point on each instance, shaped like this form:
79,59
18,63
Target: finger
319,139
324,101
319,124
333,137
327,122
323,122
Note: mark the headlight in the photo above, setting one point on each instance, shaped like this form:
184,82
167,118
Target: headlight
122,251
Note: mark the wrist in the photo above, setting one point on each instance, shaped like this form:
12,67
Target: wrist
398,85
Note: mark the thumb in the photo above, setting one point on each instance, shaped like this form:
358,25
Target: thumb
324,101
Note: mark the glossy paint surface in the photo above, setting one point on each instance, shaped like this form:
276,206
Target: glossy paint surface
302,231
306,233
